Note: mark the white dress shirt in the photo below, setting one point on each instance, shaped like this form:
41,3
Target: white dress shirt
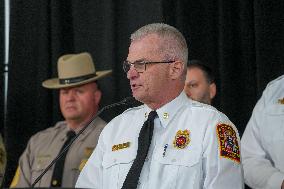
193,164
263,140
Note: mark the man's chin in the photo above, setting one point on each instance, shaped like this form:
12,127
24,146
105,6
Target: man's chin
139,97
136,96
71,117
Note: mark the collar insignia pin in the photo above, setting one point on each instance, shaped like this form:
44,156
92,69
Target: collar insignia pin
166,115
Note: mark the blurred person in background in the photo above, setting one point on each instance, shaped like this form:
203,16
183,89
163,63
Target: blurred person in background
200,82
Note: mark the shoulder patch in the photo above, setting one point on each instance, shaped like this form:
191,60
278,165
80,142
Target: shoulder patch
16,178
228,142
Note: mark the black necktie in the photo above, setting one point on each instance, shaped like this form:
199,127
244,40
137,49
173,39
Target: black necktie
144,141
56,179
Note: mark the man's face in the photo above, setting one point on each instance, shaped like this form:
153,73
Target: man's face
197,87
147,86
79,103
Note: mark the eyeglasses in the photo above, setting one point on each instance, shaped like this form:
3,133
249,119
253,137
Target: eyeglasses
140,66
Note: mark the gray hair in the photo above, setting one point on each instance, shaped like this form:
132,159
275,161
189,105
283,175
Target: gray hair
173,45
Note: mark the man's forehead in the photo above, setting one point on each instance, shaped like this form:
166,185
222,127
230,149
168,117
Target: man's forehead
144,49
195,70
151,40
195,75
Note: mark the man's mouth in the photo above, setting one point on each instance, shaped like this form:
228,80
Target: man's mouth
70,107
135,86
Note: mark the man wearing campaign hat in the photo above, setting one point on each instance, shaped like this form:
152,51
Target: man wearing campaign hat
79,98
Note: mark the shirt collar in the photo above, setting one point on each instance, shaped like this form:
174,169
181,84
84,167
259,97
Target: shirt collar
167,112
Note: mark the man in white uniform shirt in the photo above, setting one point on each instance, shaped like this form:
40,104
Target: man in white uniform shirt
263,140
192,146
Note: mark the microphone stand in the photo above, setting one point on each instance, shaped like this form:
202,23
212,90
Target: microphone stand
125,101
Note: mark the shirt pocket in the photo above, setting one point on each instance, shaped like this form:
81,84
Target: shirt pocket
273,133
275,109
181,168
274,123
39,165
116,165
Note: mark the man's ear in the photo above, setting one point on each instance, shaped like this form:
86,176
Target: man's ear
177,69
98,95
212,90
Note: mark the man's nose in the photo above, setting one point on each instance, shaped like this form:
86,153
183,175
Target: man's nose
132,73
188,92
71,95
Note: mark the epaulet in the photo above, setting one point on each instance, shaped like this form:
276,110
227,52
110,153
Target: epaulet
202,105
58,125
208,107
38,136
275,80
133,108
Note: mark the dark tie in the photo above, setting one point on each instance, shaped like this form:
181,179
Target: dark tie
56,179
144,141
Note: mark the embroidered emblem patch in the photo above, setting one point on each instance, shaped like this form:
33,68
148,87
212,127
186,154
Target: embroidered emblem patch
82,164
87,153
281,101
16,178
181,139
120,146
228,142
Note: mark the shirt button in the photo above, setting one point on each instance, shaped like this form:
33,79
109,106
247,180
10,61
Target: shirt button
174,160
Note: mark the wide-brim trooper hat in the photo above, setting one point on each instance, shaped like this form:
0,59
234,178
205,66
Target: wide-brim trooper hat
75,70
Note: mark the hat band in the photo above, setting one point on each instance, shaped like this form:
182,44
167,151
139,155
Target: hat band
76,79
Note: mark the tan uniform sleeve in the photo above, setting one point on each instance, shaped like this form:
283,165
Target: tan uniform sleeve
3,160
23,173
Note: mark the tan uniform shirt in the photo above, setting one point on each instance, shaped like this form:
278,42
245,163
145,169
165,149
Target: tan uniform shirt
44,146
3,159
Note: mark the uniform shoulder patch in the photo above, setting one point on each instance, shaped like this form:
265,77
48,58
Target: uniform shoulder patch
228,142
87,153
16,178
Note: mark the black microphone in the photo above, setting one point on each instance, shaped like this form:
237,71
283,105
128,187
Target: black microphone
125,101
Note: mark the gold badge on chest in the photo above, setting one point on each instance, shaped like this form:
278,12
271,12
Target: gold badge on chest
281,101
181,139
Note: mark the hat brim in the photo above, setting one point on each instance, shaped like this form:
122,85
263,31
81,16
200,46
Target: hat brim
54,82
